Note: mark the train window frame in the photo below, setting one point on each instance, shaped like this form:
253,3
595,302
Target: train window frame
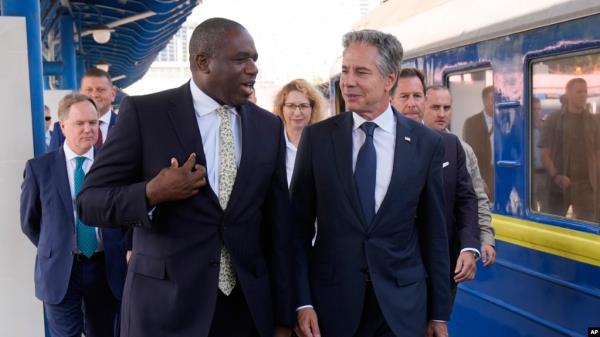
533,207
469,69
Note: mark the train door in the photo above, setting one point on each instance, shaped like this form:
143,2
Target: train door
473,113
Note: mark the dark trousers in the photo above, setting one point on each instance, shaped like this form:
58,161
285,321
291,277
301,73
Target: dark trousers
88,305
372,322
232,316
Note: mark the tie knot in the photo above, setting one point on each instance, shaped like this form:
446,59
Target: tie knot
368,128
79,162
223,110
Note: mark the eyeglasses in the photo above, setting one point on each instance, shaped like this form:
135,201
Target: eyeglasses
303,106
47,118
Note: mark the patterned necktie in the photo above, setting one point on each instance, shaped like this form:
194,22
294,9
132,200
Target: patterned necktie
365,172
99,142
227,173
86,235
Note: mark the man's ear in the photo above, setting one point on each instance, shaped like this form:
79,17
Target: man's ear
202,62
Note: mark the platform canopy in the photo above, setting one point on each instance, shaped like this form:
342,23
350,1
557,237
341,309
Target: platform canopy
137,30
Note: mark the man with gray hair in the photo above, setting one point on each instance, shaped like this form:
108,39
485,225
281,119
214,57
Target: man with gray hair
79,270
372,179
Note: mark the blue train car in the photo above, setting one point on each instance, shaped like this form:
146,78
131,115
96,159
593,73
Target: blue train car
546,280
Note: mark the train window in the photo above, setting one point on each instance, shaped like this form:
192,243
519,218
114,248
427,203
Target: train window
565,141
472,117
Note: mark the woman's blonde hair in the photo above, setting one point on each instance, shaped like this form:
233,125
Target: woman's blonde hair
315,98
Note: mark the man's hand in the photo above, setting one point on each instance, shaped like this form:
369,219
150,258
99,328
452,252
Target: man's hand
488,255
175,182
308,326
465,267
562,181
437,329
281,331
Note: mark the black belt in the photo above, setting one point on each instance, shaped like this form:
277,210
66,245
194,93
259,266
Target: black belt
82,258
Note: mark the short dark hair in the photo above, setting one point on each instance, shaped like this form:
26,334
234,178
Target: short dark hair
95,72
68,100
574,81
208,36
436,87
413,72
487,90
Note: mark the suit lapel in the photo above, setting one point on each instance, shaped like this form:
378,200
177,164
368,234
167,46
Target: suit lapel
403,151
61,179
183,119
342,145
113,120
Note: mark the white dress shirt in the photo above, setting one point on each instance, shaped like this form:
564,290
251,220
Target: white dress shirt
290,157
48,137
384,138
70,156
103,123
208,123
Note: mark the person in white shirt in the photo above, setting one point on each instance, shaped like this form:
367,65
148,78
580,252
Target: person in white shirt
80,270
298,104
372,178
478,131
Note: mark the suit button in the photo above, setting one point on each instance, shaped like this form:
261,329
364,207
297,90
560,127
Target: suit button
214,263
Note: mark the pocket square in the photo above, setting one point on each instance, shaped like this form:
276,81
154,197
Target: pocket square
446,163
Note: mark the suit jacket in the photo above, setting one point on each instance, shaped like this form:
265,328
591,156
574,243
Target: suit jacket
58,138
171,285
47,220
461,201
405,249
476,134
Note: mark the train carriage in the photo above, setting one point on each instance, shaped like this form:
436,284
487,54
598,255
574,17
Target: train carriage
546,281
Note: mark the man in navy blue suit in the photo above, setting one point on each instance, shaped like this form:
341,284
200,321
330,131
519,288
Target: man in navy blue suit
200,173
372,179
96,84
79,270
460,199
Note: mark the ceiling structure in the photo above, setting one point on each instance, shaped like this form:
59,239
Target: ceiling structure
139,30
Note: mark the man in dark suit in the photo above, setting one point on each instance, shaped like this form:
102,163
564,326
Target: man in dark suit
372,179
461,200
200,173
433,108
96,84
478,131
79,270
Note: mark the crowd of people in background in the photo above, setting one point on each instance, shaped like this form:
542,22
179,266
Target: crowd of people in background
195,212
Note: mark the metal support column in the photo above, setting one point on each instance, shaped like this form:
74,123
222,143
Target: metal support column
30,9
67,52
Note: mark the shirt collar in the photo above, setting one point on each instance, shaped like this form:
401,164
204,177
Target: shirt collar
385,121
287,141
106,117
204,104
70,154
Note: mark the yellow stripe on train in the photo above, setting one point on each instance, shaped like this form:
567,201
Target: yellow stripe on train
570,244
